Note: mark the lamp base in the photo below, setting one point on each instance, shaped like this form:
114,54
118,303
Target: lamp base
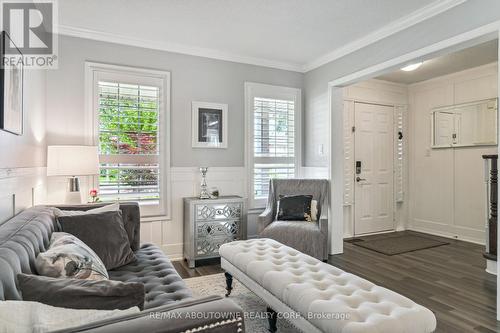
73,195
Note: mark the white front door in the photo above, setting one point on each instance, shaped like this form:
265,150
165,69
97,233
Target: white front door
374,163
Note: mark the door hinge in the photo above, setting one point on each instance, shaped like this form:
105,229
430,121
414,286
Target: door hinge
353,129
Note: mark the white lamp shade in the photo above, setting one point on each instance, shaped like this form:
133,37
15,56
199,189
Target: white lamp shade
72,160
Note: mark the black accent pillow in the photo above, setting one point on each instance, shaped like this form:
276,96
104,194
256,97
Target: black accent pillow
294,208
104,233
81,294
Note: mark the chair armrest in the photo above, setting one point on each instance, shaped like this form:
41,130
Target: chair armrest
212,314
323,221
264,219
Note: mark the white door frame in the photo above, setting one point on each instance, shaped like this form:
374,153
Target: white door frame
335,95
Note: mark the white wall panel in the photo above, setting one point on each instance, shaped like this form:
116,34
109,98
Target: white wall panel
446,185
21,188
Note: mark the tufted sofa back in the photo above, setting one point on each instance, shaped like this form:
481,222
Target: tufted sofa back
27,234
21,239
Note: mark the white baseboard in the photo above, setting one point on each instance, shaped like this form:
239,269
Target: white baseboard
447,235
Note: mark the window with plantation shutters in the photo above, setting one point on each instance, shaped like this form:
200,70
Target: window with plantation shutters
273,118
130,119
128,142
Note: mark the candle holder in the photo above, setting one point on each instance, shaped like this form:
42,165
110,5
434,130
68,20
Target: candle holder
203,187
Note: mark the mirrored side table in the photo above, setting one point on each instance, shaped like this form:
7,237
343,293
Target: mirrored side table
209,223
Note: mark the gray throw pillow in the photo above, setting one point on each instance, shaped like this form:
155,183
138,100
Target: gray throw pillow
104,233
114,207
294,208
81,294
68,256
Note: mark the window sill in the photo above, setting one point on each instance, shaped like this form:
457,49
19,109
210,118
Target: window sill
146,219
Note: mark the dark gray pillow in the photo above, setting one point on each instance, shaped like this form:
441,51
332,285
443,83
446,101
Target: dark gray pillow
294,208
104,233
81,294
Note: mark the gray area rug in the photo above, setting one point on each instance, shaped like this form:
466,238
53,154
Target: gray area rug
392,245
252,305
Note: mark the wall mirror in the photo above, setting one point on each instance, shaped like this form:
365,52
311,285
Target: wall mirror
465,125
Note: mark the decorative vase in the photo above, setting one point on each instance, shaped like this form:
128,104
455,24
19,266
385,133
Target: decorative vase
214,192
203,188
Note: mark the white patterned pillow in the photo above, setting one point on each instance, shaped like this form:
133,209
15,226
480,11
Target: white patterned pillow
68,256
314,210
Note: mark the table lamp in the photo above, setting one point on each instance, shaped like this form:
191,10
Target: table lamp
72,161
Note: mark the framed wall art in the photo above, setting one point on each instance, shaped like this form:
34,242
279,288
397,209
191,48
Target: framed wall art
209,125
11,90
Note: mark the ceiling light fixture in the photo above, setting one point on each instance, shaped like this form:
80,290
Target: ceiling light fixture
412,67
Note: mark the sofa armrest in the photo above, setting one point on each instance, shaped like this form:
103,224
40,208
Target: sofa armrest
264,219
131,218
212,314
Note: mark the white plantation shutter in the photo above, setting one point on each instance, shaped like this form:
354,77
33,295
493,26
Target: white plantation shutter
274,138
399,114
128,142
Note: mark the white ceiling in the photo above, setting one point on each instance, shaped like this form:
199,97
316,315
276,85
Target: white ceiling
291,34
471,57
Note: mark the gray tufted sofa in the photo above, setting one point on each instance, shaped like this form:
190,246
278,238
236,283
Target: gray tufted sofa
169,304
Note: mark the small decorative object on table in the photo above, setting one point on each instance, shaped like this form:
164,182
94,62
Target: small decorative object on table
94,195
214,192
203,188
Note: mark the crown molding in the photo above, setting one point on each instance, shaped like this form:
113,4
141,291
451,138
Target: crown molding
175,48
420,15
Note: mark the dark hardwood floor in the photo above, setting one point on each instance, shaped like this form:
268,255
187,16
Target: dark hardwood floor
449,280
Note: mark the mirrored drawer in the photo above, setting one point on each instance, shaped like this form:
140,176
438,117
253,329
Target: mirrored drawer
215,229
218,211
209,247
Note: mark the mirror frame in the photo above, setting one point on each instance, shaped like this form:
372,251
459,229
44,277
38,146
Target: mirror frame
452,107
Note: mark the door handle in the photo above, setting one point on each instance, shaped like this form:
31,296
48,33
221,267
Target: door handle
358,179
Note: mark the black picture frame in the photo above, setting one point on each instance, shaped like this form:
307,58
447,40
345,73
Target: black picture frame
210,124
11,90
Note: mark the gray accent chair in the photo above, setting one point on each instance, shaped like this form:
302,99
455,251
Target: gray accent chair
307,237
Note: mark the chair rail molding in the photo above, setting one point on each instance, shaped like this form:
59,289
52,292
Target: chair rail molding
21,188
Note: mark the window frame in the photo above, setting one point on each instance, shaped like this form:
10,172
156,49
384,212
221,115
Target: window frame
94,72
253,90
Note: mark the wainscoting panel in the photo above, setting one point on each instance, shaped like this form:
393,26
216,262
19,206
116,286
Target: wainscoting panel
185,182
21,188
314,172
447,191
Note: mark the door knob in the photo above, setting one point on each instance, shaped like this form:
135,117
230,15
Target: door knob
359,179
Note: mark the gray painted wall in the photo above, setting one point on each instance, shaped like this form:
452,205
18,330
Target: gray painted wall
193,79
465,17
28,150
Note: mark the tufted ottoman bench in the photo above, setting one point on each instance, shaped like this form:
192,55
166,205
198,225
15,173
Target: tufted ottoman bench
316,296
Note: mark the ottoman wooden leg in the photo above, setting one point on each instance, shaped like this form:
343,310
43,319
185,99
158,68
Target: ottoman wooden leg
229,283
272,318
